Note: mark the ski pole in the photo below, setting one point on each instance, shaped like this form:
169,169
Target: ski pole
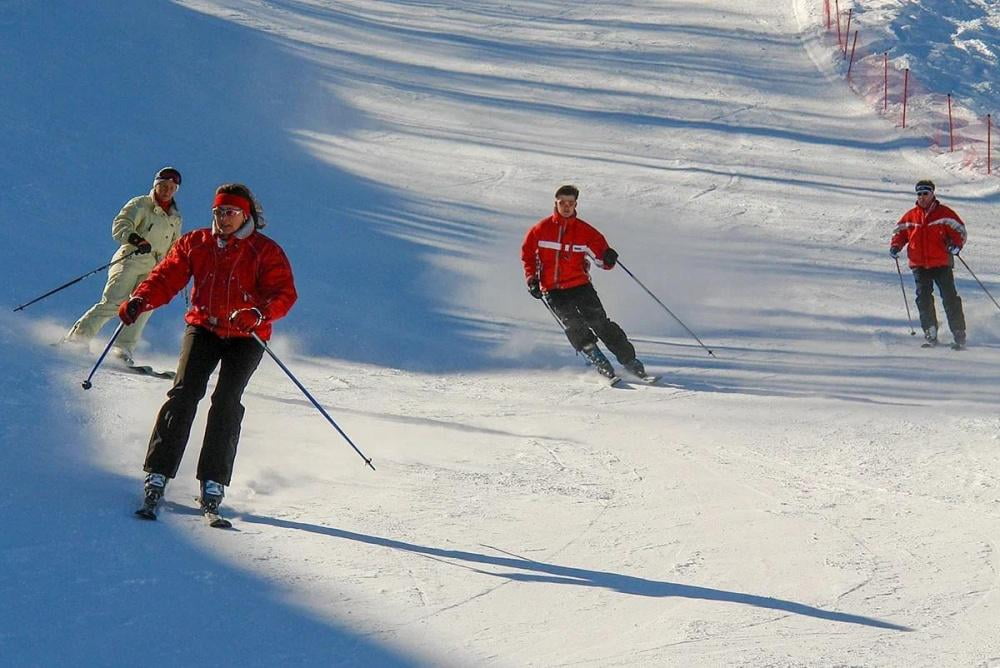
978,281
314,402
86,384
76,280
545,301
693,335
905,303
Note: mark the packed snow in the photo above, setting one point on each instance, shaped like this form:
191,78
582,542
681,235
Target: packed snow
821,491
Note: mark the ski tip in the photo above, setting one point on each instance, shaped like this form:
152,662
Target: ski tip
145,514
614,381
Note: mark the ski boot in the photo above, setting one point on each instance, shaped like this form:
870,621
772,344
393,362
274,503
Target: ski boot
930,337
124,355
597,358
635,367
153,489
959,343
210,499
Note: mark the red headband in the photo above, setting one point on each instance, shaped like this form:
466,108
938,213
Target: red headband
229,199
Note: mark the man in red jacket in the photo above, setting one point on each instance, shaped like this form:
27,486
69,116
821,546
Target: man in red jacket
933,234
242,283
556,255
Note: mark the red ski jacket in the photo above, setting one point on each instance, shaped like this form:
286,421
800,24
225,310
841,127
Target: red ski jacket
558,252
228,274
927,233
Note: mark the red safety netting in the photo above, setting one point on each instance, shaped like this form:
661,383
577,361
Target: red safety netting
903,99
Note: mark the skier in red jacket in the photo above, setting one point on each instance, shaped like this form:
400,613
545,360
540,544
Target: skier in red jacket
933,234
242,283
556,255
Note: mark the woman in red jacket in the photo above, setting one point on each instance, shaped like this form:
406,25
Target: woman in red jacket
933,234
242,283
556,255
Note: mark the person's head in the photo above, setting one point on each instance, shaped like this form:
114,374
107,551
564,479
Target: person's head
925,192
233,206
165,183
566,197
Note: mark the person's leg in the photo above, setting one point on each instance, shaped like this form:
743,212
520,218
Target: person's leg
565,304
924,282
117,289
129,337
200,354
607,330
945,279
222,433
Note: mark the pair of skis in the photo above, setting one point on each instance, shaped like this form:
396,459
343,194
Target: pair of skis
614,380
148,510
146,370
954,346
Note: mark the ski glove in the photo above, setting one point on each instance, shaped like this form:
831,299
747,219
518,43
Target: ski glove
610,257
534,289
894,252
130,310
141,245
953,249
246,319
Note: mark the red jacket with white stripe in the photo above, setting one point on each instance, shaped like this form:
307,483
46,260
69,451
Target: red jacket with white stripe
558,251
927,233
240,271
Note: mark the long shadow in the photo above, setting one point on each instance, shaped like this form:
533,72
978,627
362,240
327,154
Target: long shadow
538,571
224,107
84,582
416,421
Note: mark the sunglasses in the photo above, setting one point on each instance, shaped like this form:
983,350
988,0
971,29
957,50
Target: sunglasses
176,180
925,191
226,211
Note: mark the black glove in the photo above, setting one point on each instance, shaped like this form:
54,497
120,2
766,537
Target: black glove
953,249
141,245
894,252
534,289
610,257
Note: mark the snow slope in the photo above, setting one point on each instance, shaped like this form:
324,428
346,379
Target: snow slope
823,492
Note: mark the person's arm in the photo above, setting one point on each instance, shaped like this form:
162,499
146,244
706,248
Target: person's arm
168,277
600,250
954,230
277,285
126,223
529,254
901,234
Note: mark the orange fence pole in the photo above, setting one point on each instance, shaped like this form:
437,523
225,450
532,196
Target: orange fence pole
906,90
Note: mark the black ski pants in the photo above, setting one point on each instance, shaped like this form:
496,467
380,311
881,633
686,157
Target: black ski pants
583,316
945,279
201,352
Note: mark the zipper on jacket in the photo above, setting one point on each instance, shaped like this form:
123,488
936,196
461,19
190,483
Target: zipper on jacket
555,278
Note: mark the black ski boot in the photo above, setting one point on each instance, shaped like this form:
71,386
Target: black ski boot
930,337
959,343
153,489
636,368
597,358
211,497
